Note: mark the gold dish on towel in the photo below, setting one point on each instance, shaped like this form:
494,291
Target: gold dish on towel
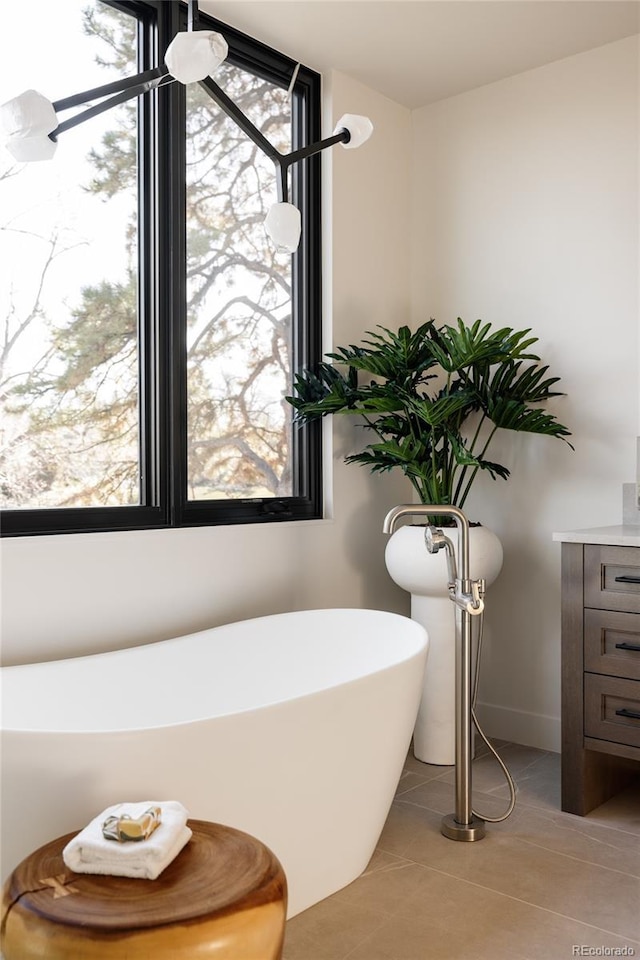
124,828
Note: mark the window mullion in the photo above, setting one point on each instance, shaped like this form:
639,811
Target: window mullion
171,279
148,454
307,287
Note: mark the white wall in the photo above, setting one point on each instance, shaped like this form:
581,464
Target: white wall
526,214
70,595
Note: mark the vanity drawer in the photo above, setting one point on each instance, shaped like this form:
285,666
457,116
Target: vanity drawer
612,578
612,643
612,709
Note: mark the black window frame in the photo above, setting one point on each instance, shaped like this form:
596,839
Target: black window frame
162,299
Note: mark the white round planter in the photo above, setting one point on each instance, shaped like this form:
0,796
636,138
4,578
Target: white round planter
425,577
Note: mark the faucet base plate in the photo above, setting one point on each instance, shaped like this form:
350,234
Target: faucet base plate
453,830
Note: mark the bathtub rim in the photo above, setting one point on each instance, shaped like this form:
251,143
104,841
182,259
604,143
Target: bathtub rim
417,650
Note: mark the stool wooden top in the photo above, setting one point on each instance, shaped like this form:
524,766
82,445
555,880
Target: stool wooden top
220,871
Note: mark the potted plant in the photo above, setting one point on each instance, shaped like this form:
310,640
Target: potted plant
432,400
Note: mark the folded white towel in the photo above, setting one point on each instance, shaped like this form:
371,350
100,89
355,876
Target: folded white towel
90,852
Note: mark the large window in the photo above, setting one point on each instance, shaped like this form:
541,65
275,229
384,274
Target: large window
150,329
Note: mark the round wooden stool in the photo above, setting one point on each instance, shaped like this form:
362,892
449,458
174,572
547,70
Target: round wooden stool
224,896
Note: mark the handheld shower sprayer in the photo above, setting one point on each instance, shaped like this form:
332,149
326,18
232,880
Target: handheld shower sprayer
435,540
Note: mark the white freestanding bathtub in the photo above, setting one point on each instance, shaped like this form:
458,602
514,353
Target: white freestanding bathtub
292,727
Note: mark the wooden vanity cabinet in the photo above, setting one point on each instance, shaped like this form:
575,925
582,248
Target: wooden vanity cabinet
600,672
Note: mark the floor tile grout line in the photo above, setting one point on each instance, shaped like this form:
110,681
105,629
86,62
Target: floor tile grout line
365,937
591,840
598,823
389,868
574,824
589,863
608,826
412,787
527,903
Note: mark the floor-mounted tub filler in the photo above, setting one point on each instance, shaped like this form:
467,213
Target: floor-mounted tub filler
468,597
292,727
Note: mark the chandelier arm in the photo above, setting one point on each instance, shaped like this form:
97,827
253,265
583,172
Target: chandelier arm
343,136
232,110
124,83
122,97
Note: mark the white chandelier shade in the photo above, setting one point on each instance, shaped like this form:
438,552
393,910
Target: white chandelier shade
195,55
284,225
32,125
359,129
28,120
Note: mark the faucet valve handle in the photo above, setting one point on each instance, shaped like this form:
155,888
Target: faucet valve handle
474,609
476,603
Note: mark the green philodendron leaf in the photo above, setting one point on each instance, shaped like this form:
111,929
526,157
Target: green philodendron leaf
393,356
462,454
379,404
394,424
512,380
438,411
377,461
460,347
495,469
323,392
515,415
399,451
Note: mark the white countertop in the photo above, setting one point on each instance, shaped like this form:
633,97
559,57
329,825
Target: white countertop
620,536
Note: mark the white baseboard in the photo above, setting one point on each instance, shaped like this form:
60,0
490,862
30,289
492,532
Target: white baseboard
518,726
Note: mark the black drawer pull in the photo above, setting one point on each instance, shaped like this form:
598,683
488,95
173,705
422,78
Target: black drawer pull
627,579
633,714
628,646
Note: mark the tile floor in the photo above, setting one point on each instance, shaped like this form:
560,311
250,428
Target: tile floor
543,885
